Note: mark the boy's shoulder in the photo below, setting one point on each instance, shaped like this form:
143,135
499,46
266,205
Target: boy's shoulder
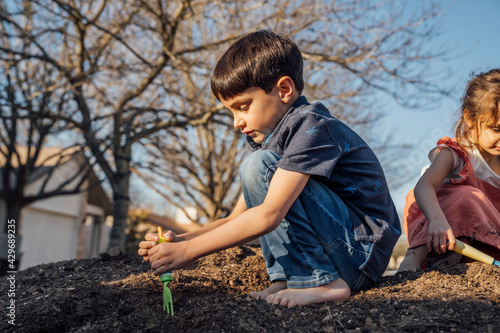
304,115
308,125
303,109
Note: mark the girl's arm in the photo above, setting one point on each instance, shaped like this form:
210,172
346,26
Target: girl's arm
284,188
440,230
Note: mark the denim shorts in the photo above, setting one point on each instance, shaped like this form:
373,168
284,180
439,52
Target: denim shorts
314,244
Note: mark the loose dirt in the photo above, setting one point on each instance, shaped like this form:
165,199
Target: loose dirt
116,292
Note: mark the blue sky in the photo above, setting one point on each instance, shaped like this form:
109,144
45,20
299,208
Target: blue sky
472,29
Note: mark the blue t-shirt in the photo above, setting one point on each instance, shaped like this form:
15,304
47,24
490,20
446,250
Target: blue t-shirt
311,141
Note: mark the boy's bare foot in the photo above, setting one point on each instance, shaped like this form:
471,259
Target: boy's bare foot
274,288
336,290
414,259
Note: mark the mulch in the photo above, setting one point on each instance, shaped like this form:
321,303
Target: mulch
116,292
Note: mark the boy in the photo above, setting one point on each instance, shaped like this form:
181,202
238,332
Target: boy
313,191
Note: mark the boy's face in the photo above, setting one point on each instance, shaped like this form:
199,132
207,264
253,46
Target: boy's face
256,113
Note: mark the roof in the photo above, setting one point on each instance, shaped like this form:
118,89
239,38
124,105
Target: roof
49,158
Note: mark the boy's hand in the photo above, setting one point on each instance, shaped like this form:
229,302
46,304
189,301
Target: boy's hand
168,257
150,241
440,236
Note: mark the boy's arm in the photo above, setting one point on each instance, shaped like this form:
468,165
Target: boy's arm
238,209
151,239
425,195
252,223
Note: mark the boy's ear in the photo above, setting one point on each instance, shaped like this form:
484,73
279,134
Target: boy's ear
286,89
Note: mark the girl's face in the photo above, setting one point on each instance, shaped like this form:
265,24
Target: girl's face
488,138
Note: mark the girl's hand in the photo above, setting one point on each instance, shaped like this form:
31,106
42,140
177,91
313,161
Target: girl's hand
440,236
169,256
150,241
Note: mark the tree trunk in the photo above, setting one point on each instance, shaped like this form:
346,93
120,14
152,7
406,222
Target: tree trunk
120,211
12,225
121,202
13,213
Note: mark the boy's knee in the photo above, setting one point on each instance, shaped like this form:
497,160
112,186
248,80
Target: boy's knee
258,165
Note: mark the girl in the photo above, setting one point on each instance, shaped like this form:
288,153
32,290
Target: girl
459,194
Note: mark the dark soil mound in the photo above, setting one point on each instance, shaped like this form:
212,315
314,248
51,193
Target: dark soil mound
116,292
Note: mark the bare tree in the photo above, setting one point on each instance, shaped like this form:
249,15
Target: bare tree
354,51
108,55
30,105
29,111
137,67
196,167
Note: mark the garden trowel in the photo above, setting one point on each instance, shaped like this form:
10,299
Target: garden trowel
474,253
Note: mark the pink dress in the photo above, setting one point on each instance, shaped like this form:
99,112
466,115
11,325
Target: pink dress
471,206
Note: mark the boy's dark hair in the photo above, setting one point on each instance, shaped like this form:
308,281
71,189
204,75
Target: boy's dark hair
258,59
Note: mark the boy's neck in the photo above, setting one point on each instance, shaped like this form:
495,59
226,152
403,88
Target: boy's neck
292,101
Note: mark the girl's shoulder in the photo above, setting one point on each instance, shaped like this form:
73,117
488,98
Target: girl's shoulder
474,164
455,147
453,144
461,166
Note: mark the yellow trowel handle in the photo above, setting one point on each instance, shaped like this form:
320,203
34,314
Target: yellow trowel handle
473,253
161,239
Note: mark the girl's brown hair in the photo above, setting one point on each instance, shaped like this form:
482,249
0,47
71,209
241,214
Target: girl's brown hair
480,105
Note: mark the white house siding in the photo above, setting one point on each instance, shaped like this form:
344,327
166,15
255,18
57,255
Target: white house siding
50,227
53,229
47,237
70,205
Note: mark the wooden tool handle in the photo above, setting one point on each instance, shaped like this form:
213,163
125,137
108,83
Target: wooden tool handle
473,253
